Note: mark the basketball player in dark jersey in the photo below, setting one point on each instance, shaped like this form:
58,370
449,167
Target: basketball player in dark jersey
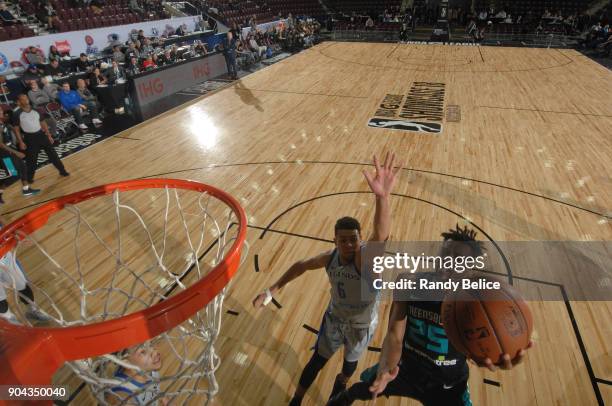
417,360
351,318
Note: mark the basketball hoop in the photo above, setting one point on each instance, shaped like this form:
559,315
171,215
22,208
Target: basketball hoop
115,266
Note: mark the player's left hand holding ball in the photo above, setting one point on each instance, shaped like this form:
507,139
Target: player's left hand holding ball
507,362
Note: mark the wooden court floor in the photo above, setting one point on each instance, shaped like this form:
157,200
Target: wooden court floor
529,159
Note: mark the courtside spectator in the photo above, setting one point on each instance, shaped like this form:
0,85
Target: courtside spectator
33,135
38,97
50,89
34,56
54,69
31,75
181,30
118,55
148,63
96,78
6,16
73,103
83,64
133,68
54,54
115,73
86,94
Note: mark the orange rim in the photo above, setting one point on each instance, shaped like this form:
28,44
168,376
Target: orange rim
30,355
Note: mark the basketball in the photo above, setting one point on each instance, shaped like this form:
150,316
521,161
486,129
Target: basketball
487,323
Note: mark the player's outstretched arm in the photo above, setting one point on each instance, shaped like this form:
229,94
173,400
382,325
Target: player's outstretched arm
297,269
381,182
391,350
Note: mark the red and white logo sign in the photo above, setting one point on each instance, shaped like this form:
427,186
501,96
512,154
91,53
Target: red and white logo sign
63,47
89,40
150,88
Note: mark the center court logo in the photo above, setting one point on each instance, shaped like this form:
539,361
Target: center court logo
421,110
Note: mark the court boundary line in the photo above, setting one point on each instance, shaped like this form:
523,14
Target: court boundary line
442,71
300,162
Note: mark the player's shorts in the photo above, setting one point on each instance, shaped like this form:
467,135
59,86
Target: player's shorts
411,383
335,333
12,165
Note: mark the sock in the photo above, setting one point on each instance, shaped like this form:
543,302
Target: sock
27,187
27,292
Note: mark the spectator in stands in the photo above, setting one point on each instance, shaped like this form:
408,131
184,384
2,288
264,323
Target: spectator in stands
83,64
134,6
73,103
200,47
141,36
39,98
6,16
290,21
132,51
403,35
146,48
32,74
166,58
86,94
203,25
117,54
47,12
115,73
245,54
369,25
260,50
51,89
33,135
96,78
181,30
34,56
54,53
148,63
54,69
133,68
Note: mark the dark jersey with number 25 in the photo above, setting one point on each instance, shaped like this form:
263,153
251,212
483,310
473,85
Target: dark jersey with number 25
426,348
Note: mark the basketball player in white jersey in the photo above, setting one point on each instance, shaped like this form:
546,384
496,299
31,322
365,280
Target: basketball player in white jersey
139,386
350,318
13,277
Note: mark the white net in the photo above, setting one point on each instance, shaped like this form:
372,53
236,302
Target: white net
114,255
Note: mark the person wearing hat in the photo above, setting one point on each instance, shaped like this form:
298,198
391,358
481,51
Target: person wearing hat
31,74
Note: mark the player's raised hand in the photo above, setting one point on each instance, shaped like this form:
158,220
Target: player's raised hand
507,362
381,182
381,381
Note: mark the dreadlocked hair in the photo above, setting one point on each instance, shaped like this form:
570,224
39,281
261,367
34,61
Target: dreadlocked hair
464,235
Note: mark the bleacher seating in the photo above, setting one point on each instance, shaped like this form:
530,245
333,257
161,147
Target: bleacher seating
310,8
68,18
364,6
